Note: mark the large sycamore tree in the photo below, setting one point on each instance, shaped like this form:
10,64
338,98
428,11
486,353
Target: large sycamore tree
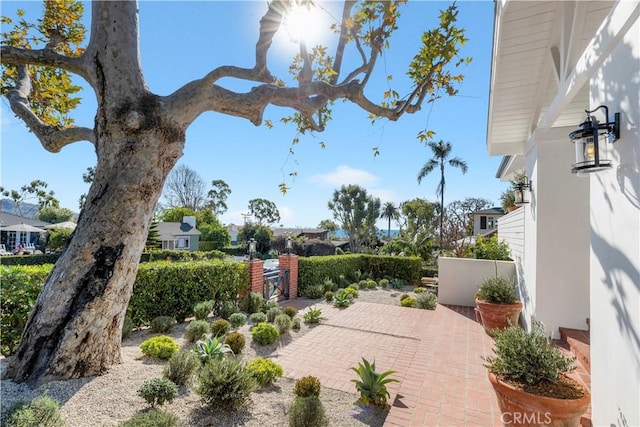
74,329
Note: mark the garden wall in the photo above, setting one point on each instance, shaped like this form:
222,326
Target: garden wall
459,278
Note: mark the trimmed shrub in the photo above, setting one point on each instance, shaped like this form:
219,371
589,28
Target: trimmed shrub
313,291
152,418
273,313
295,324
269,304
404,296
257,318
371,284
418,290
307,386
42,411
220,327
196,329
157,391
362,284
384,283
236,341
353,293
225,384
265,334
265,371
202,309
328,296
290,311
226,309
162,324
181,366
283,323
427,301
253,302
408,302
237,320
160,347
127,327
307,412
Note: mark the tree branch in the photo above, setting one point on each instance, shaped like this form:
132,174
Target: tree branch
45,57
51,138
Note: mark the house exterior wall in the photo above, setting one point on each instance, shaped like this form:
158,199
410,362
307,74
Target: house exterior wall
477,223
511,230
561,215
615,246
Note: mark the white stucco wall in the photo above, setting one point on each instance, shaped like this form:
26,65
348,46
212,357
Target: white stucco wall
460,278
562,223
615,246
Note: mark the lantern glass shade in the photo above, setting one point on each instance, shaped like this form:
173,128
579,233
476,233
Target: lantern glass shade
252,247
288,245
591,148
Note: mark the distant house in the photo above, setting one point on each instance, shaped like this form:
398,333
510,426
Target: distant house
309,233
485,222
179,235
18,230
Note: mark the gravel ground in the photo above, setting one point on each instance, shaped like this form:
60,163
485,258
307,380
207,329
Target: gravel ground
108,399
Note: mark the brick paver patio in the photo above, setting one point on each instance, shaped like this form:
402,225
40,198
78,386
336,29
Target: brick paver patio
437,356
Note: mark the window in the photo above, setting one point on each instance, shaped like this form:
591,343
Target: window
491,222
183,243
483,222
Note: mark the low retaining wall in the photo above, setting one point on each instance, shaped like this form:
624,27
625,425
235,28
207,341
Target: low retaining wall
459,278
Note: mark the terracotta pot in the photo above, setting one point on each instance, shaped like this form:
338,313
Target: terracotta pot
498,316
520,408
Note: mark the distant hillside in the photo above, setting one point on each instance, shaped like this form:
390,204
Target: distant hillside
27,210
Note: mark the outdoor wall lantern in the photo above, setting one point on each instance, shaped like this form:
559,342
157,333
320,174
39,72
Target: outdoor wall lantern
591,150
288,246
522,191
252,248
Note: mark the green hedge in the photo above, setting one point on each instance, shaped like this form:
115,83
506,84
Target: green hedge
160,289
18,293
172,289
35,259
314,270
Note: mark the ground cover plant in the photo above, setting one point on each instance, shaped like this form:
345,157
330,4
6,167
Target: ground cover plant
160,347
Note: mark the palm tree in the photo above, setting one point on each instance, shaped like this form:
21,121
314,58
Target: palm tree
390,211
441,151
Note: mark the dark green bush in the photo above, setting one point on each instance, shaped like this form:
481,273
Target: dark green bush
256,318
181,366
268,304
384,283
169,289
180,256
225,384
237,320
226,309
295,324
127,327
42,411
220,327
160,347
235,341
307,412
35,259
152,418
313,291
202,310
265,371
253,302
362,284
491,248
307,386
196,329
157,391
162,324
265,334
18,292
290,311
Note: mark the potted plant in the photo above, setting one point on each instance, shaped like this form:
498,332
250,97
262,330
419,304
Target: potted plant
497,303
529,377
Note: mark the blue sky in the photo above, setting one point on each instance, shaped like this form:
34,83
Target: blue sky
181,41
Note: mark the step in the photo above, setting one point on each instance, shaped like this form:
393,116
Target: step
578,343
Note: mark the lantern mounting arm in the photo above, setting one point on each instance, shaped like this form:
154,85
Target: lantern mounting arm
612,128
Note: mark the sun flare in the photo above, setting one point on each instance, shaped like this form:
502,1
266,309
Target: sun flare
305,23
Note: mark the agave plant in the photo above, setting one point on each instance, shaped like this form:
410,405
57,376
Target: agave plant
211,347
313,315
342,300
372,385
